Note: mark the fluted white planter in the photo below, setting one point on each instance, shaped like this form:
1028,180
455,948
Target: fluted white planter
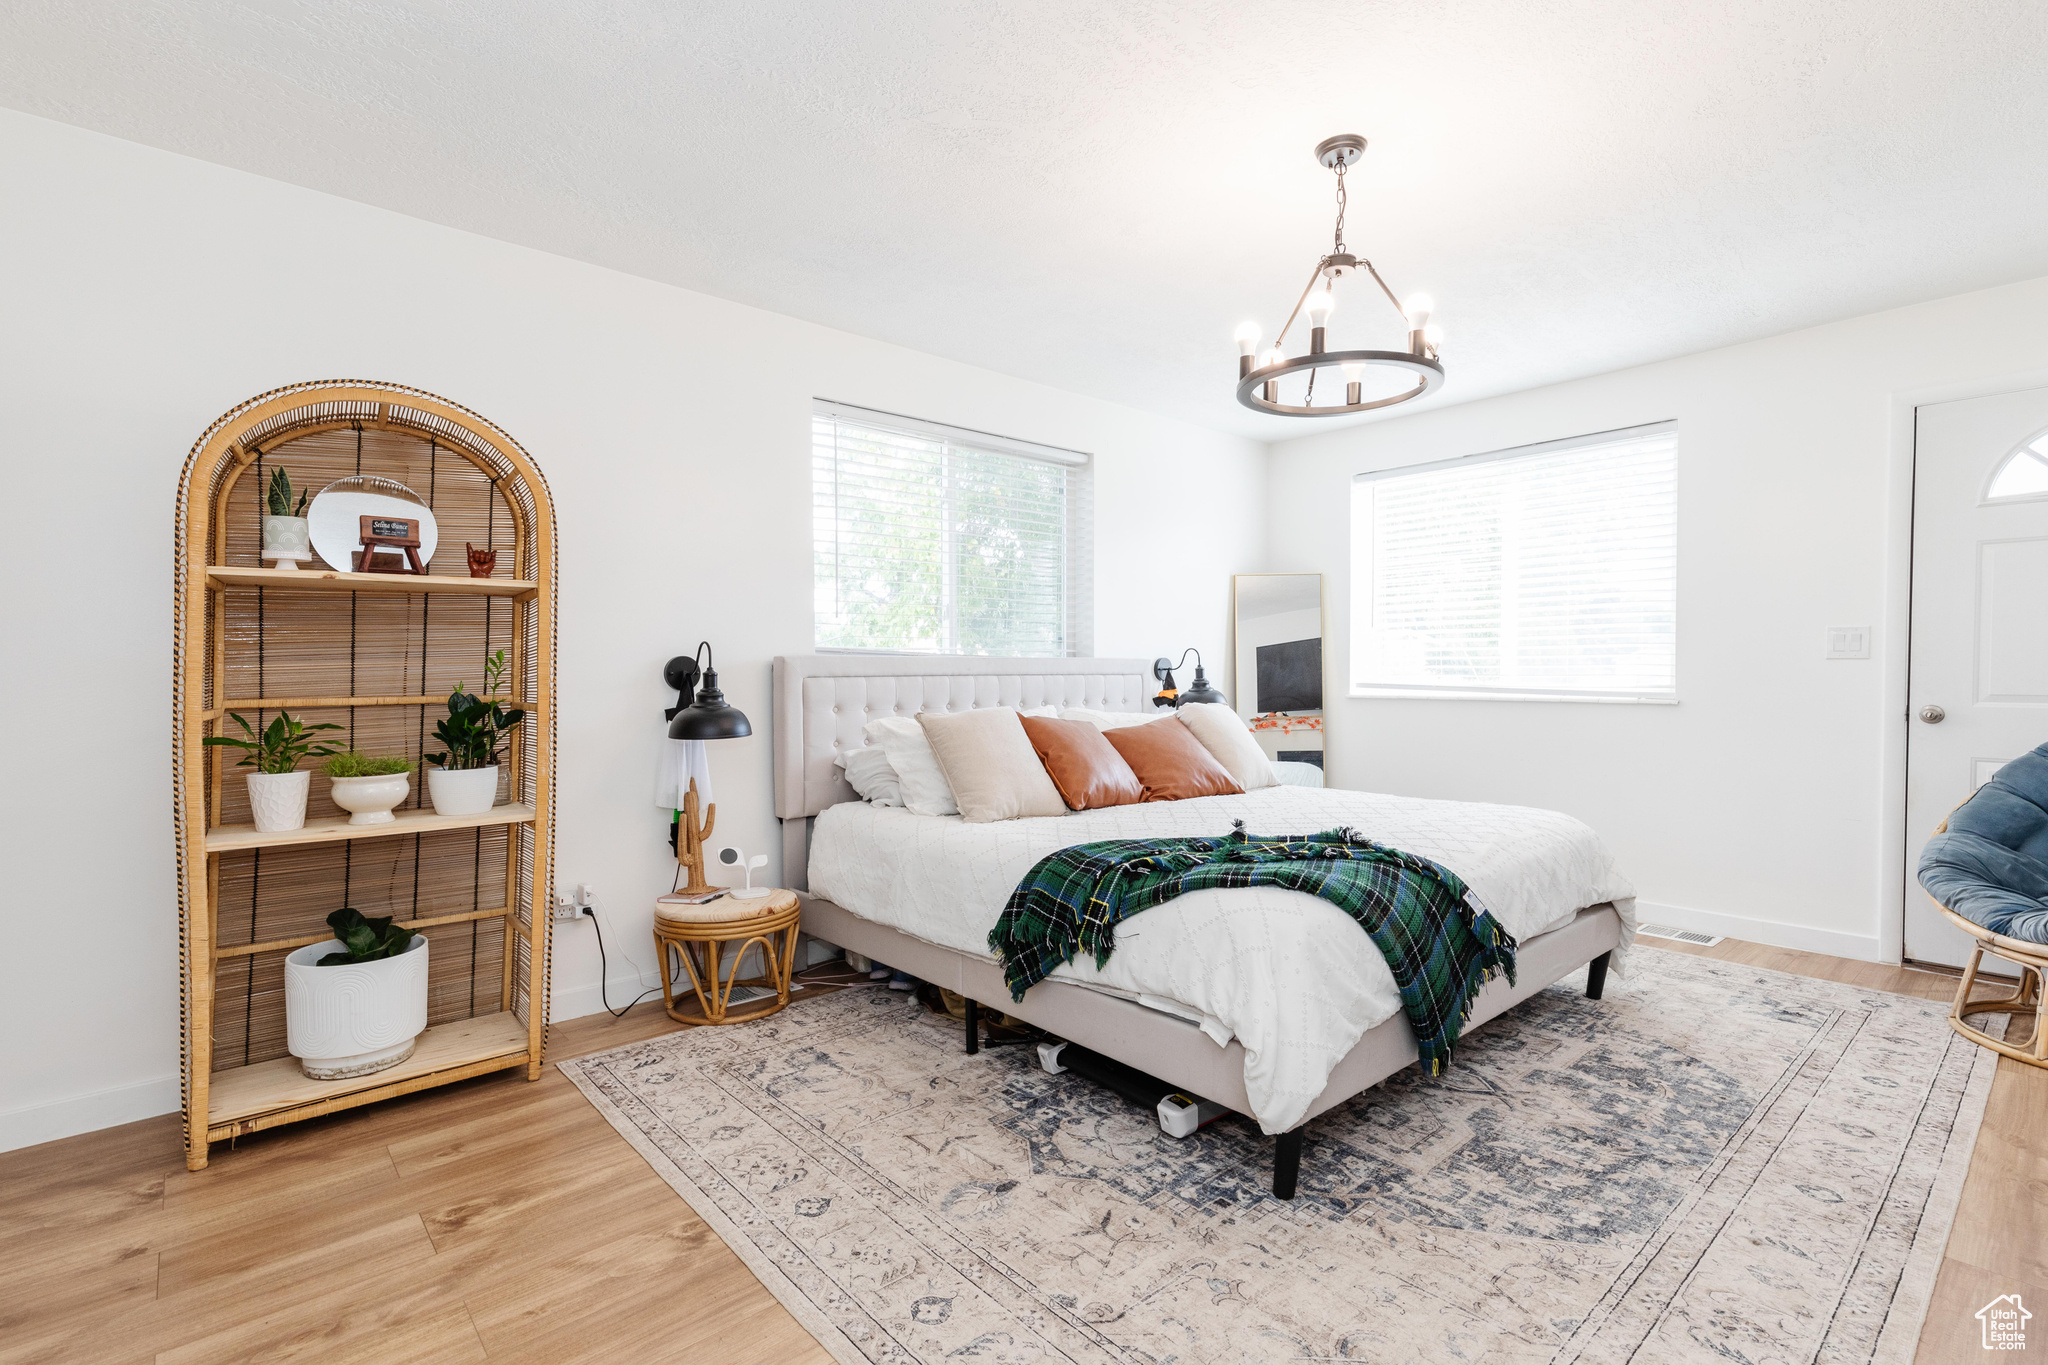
356,1017
277,801
286,541
369,800
463,791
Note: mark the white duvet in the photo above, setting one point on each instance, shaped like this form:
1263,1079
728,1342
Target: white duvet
1289,975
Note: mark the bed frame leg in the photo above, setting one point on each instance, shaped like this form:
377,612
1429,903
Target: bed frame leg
1596,975
1286,1164
974,1028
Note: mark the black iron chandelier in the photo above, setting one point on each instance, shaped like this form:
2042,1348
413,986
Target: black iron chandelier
1259,376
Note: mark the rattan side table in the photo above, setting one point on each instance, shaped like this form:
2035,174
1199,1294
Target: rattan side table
701,934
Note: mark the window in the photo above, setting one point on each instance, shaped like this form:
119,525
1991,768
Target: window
934,540
2023,475
1546,571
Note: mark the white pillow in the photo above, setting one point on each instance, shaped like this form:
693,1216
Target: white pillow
990,764
1111,720
918,774
869,773
1226,736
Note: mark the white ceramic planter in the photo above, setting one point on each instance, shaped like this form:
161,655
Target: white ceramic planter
355,1018
465,791
278,800
369,800
286,541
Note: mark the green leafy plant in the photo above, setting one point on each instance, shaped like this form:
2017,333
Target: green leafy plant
366,940
474,726
353,764
280,496
280,746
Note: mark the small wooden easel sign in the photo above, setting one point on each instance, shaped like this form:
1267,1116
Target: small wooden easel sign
389,536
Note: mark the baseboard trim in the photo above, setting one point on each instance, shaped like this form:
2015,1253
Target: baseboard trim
38,1123
1835,943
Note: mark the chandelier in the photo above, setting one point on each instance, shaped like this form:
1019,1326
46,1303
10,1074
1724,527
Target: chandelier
1259,376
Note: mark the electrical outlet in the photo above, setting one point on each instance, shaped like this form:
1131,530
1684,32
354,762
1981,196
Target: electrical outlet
586,895
566,909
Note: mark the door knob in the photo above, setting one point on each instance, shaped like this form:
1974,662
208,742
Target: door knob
1933,715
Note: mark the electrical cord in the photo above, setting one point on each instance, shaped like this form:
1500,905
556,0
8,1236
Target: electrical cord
604,975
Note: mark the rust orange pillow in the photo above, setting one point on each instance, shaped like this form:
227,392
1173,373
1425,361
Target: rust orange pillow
1170,763
1088,772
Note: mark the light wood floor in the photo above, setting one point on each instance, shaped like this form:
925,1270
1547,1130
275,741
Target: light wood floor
504,1220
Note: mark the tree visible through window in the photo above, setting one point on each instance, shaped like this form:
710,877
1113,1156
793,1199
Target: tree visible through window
930,540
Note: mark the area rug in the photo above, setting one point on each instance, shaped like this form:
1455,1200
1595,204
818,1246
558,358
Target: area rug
1715,1162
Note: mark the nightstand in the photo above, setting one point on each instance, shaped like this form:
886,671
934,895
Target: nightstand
702,935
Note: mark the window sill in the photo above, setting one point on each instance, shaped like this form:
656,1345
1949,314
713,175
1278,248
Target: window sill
1457,694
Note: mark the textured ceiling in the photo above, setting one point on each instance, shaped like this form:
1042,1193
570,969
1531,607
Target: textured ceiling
1093,193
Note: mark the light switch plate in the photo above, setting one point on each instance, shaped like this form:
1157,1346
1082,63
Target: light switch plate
1848,642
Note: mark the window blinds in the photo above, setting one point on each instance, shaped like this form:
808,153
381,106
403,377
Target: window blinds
931,539
1550,570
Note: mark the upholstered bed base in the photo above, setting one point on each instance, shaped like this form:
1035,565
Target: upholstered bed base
821,702
1178,1052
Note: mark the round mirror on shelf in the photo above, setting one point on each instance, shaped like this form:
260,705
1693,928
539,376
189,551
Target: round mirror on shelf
335,517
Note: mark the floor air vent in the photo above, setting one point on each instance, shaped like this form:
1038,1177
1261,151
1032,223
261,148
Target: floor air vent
1682,935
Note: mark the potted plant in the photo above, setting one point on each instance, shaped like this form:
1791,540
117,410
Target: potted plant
277,793
464,780
358,1002
286,539
368,787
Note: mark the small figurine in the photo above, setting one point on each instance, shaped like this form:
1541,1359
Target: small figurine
481,562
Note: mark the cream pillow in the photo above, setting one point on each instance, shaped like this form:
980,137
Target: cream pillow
918,774
1224,734
990,765
1111,720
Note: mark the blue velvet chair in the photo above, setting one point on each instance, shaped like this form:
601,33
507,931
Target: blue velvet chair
1987,868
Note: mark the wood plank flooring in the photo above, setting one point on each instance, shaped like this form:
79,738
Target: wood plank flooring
503,1220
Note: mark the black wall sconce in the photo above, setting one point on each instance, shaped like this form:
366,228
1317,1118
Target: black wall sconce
1198,692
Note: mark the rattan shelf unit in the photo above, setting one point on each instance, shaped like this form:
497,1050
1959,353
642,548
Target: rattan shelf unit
378,655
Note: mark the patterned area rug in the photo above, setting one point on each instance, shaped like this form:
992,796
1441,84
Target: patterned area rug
1714,1163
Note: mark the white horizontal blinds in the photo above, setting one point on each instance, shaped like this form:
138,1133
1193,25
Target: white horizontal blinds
932,542
1552,569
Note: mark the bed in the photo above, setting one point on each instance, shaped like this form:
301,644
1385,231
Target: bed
1268,1002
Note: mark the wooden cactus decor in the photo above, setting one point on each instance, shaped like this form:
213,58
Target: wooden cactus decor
690,844
481,562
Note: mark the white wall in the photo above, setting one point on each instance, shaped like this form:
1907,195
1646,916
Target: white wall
1769,802
147,293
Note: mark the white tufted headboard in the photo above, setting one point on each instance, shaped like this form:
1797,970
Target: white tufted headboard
823,700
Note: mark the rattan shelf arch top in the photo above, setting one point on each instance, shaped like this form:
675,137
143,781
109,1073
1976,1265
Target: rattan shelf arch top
374,653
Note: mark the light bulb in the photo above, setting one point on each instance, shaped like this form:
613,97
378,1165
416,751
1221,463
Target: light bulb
1321,303
1247,337
1354,372
1418,308
1273,357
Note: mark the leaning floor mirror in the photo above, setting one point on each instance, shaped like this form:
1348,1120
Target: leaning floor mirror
1277,625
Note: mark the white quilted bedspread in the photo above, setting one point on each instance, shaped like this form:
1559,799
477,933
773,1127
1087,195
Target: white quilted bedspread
1287,974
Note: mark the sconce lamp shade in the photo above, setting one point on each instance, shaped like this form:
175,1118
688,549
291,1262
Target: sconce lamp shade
1200,692
710,717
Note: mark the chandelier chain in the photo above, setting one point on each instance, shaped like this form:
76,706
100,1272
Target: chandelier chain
1341,203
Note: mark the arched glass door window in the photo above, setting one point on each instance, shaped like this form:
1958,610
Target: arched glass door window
2024,473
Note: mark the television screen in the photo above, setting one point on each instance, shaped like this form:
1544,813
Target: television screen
1291,676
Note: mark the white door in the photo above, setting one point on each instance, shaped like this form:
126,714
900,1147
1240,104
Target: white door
1978,685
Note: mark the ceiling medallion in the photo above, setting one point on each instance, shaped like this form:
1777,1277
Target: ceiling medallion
1259,376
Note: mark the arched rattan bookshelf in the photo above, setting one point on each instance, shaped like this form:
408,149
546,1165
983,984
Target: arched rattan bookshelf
377,654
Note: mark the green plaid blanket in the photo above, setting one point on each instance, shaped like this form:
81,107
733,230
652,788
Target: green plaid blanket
1441,947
